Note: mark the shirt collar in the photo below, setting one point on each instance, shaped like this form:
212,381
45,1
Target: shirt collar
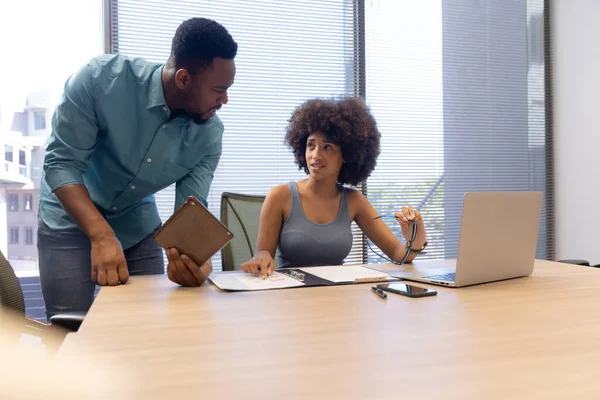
156,93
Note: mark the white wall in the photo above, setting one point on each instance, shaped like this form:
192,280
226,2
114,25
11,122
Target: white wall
576,38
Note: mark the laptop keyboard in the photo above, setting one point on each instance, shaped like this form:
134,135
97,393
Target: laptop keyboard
451,277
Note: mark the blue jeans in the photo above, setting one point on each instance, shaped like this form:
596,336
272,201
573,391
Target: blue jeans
66,267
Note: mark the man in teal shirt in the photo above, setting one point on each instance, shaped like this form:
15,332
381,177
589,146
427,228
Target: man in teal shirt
125,129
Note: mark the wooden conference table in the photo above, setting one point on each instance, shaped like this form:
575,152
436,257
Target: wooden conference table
529,338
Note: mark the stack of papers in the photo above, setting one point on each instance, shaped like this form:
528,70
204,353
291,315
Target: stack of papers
346,273
237,280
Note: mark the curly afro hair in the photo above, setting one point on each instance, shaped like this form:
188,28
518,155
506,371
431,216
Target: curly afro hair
197,41
347,123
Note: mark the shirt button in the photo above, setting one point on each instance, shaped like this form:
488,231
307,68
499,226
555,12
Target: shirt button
132,187
114,208
164,126
148,160
164,108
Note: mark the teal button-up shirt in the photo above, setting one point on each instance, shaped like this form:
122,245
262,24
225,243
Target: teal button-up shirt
111,132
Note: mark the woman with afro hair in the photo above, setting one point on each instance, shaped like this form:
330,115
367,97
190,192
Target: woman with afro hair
336,142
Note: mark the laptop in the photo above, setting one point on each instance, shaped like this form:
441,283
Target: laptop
498,240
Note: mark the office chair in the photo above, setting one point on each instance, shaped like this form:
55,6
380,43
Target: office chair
241,214
11,297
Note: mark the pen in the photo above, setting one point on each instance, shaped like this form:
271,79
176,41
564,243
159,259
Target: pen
379,292
372,279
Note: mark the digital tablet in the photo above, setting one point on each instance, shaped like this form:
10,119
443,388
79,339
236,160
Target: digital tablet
193,231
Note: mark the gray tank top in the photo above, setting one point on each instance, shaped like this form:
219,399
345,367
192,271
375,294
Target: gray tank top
303,243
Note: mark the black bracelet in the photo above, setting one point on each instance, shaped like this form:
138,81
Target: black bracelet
408,248
419,250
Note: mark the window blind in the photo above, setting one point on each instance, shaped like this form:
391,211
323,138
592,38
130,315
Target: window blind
457,88
289,51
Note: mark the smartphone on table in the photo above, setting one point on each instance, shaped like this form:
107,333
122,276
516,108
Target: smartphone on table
405,289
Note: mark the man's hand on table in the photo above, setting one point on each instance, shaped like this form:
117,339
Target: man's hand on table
108,261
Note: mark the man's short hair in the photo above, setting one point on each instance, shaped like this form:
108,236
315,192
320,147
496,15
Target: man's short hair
198,41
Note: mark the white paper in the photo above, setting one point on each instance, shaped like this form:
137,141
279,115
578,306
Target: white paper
346,273
243,281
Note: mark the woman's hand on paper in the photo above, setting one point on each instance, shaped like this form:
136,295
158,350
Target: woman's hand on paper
407,218
185,272
262,263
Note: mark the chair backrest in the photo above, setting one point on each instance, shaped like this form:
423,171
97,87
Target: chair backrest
241,214
11,295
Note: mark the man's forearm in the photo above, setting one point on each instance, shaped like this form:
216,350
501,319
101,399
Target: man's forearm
77,202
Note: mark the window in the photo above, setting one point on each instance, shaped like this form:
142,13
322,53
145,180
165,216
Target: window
13,235
39,120
13,202
456,104
28,105
457,89
22,163
29,235
278,68
8,153
28,202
